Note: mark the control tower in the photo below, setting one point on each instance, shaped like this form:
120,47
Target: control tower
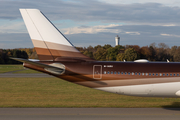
117,40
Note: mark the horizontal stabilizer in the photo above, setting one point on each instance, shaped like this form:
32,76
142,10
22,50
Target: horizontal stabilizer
55,68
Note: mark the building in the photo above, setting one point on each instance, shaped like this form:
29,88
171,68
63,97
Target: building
117,40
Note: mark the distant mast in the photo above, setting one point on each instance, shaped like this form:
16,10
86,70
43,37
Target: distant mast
117,38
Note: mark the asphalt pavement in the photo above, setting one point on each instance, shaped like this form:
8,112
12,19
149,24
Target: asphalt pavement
24,75
89,114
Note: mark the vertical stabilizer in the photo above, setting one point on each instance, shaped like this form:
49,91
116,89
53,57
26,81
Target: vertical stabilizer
49,42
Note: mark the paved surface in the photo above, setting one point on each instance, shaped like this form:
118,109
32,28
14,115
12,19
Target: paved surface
89,114
10,75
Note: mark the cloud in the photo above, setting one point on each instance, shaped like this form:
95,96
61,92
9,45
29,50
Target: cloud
2,45
95,22
12,27
148,13
164,2
141,35
15,40
92,30
170,35
81,10
112,28
133,33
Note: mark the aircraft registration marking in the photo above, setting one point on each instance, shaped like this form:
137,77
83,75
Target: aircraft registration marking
109,66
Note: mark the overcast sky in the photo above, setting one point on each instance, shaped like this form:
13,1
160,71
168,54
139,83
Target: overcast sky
96,22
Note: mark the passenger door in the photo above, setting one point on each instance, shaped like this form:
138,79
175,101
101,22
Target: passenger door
97,71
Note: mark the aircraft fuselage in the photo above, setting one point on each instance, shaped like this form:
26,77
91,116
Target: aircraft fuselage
130,78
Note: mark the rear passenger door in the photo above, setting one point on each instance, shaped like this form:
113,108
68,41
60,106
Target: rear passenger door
97,71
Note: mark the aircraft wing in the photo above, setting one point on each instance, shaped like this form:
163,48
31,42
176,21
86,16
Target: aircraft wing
54,68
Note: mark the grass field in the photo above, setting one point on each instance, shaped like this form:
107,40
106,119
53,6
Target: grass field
54,92
8,68
15,68
27,71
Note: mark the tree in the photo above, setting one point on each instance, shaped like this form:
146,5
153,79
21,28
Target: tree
107,46
1,58
120,57
91,49
172,52
112,52
162,52
177,55
152,53
88,53
100,54
144,53
131,54
97,47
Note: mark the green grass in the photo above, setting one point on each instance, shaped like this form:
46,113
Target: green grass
27,71
9,68
14,68
54,92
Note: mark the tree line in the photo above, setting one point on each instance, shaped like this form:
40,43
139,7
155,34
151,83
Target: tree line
26,53
153,52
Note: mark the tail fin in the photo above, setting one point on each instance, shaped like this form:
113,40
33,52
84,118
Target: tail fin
49,42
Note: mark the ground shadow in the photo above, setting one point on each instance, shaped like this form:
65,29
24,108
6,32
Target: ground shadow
174,106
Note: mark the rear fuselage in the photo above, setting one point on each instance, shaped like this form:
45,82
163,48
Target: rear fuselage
130,78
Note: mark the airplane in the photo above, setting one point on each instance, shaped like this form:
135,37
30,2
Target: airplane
58,57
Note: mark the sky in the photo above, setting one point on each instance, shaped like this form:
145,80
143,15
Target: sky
96,22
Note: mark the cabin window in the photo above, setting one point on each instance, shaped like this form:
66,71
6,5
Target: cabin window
156,74
129,73
160,74
142,73
153,74
118,72
170,74
114,72
149,74
163,74
132,73
122,73
139,73
146,74
167,74
108,72
104,72
125,73
136,73
178,74
174,74
111,72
